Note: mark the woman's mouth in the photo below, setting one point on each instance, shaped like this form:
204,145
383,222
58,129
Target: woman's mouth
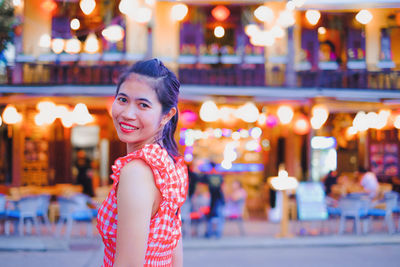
127,128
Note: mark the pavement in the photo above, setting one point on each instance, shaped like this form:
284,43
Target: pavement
259,234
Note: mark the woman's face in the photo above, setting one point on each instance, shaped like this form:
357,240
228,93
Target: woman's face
136,112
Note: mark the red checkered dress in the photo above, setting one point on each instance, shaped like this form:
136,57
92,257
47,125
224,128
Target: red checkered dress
165,227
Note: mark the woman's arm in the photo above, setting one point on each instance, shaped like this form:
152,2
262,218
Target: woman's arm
136,195
177,256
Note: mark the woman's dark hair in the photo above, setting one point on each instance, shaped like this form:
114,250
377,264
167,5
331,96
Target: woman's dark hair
166,87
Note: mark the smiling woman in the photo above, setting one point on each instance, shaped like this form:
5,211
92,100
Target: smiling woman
140,219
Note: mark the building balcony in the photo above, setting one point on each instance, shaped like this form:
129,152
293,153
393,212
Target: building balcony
221,73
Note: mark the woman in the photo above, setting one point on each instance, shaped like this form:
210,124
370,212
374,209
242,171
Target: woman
140,219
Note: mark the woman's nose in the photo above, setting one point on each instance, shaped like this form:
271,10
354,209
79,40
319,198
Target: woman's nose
129,112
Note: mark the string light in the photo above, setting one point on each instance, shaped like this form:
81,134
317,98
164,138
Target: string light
313,16
91,44
87,6
364,16
113,33
219,31
179,12
75,24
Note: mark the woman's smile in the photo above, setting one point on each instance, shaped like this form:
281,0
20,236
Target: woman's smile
127,128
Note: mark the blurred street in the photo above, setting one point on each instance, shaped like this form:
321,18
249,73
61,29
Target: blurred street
258,248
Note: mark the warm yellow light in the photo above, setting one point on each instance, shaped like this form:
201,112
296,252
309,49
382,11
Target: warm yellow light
360,122
290,5
277,32
397,122
150,2
286,19
141,15
322,30
364,16
1,121
351,131
313,16
75,24
46,106
283,181
262,119
285,114
113,33
251,29
179,12
91,44
299,3
57,45
319,116
209,111
248,112
219,31
11,115
263,38
81,114
17,3
264,13
73,46
87,6
45,41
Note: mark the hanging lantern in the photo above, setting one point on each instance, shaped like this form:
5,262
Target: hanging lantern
11,115
113,33
364,16
264,13
87,6
219,31
45,41
301,125
81,114
271,121
141,15
57,45
188,118
75,24
209,111
220,13
73,46
48,6
91,44
179,12
248,112
285,114
313,16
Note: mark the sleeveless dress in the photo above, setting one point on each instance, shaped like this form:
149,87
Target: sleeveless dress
165,226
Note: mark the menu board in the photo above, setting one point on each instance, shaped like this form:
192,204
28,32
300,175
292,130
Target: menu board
384,159
310,197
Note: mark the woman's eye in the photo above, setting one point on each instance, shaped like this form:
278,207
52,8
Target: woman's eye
122,99
143,105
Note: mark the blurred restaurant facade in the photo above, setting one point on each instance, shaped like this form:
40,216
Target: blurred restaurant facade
309,85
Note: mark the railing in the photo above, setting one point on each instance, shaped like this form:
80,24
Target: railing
236,75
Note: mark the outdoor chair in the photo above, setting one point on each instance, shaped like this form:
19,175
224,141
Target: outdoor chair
234,212
75,209
356,209
390,202
26,210
3,202
43,210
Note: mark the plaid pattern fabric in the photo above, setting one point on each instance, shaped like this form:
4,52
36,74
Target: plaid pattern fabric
165,227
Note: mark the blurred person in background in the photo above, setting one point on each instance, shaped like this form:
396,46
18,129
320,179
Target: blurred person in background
329,180
84,170
215,218
368,181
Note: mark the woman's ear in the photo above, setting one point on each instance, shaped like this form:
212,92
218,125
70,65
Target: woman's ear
165,119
